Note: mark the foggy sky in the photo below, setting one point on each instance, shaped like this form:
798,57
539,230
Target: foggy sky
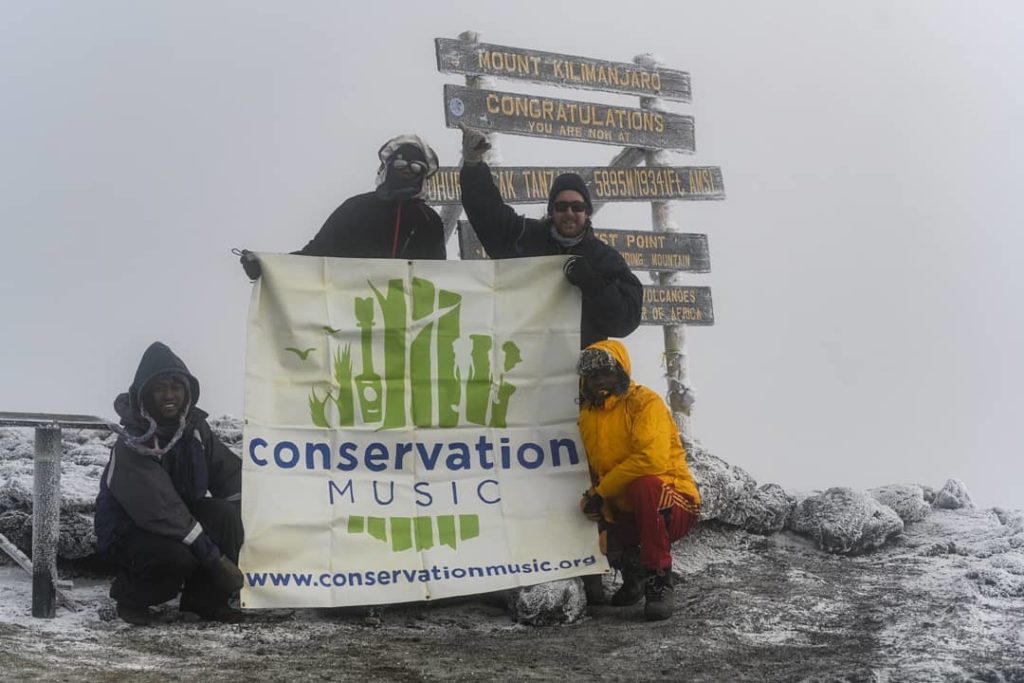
866,264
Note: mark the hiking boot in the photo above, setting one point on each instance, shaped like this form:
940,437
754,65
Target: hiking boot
658,596
223,613
138,615
634,578
593,587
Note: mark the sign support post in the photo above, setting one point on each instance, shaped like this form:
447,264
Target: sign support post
45,520
450,214
680,394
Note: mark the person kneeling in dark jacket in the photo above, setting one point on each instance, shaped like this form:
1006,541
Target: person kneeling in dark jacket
154,519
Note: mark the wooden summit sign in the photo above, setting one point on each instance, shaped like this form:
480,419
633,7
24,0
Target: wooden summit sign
548,117
530,184
670,305
548,68
642,250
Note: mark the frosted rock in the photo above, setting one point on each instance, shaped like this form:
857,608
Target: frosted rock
77,536
953,496
15,495
729,494
720,483
555,602
994,582
17,527
763,510
906,500
228,429
1010,518
845,521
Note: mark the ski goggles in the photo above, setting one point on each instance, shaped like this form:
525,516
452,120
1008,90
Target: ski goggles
414,167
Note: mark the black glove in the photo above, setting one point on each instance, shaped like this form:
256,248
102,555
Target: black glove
590,505
250,264
205,550
226,575
579,272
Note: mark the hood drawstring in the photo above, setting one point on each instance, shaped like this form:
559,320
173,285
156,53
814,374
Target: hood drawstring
136,443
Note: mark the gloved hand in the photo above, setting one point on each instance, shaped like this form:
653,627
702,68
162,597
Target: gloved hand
226,575
205,550
475,144
250,264
591,504
579,272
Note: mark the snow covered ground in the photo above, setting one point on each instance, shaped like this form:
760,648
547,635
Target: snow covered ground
939,598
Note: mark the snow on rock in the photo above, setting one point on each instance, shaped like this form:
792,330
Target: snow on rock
845,521
17,527
763,511
84,455
730,495
953,496
545,604
77,538
906,500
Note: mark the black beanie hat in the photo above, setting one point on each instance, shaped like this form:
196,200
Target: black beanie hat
569,181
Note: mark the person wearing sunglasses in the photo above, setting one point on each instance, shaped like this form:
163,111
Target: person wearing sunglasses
391,222
612,294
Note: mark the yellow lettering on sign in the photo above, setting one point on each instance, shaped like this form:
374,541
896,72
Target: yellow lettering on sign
642,240
443,186
508,62
671,296
676,261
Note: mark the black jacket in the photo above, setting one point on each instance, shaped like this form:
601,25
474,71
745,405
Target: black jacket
155,492
613,311
364,227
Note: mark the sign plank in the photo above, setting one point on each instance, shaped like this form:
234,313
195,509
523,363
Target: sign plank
547,117
670,305
549,68
642,250
530,184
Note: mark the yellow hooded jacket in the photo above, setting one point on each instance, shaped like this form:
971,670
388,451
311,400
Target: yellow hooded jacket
631,436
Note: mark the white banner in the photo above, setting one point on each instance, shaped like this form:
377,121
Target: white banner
410,431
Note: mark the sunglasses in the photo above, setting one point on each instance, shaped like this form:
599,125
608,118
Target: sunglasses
578,207
417,167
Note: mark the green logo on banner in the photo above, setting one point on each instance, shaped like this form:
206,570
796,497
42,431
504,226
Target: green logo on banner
417,533
423,370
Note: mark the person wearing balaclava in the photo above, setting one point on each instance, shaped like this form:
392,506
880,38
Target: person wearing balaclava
612,294
643,495
168,511
391,222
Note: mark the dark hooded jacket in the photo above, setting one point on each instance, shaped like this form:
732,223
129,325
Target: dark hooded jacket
155,492
612,311
364,227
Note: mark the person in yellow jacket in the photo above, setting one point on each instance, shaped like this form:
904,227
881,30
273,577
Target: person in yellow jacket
642,493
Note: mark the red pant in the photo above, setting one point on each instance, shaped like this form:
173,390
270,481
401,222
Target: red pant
660,516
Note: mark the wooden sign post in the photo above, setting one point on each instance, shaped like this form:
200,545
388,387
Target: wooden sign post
648,132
